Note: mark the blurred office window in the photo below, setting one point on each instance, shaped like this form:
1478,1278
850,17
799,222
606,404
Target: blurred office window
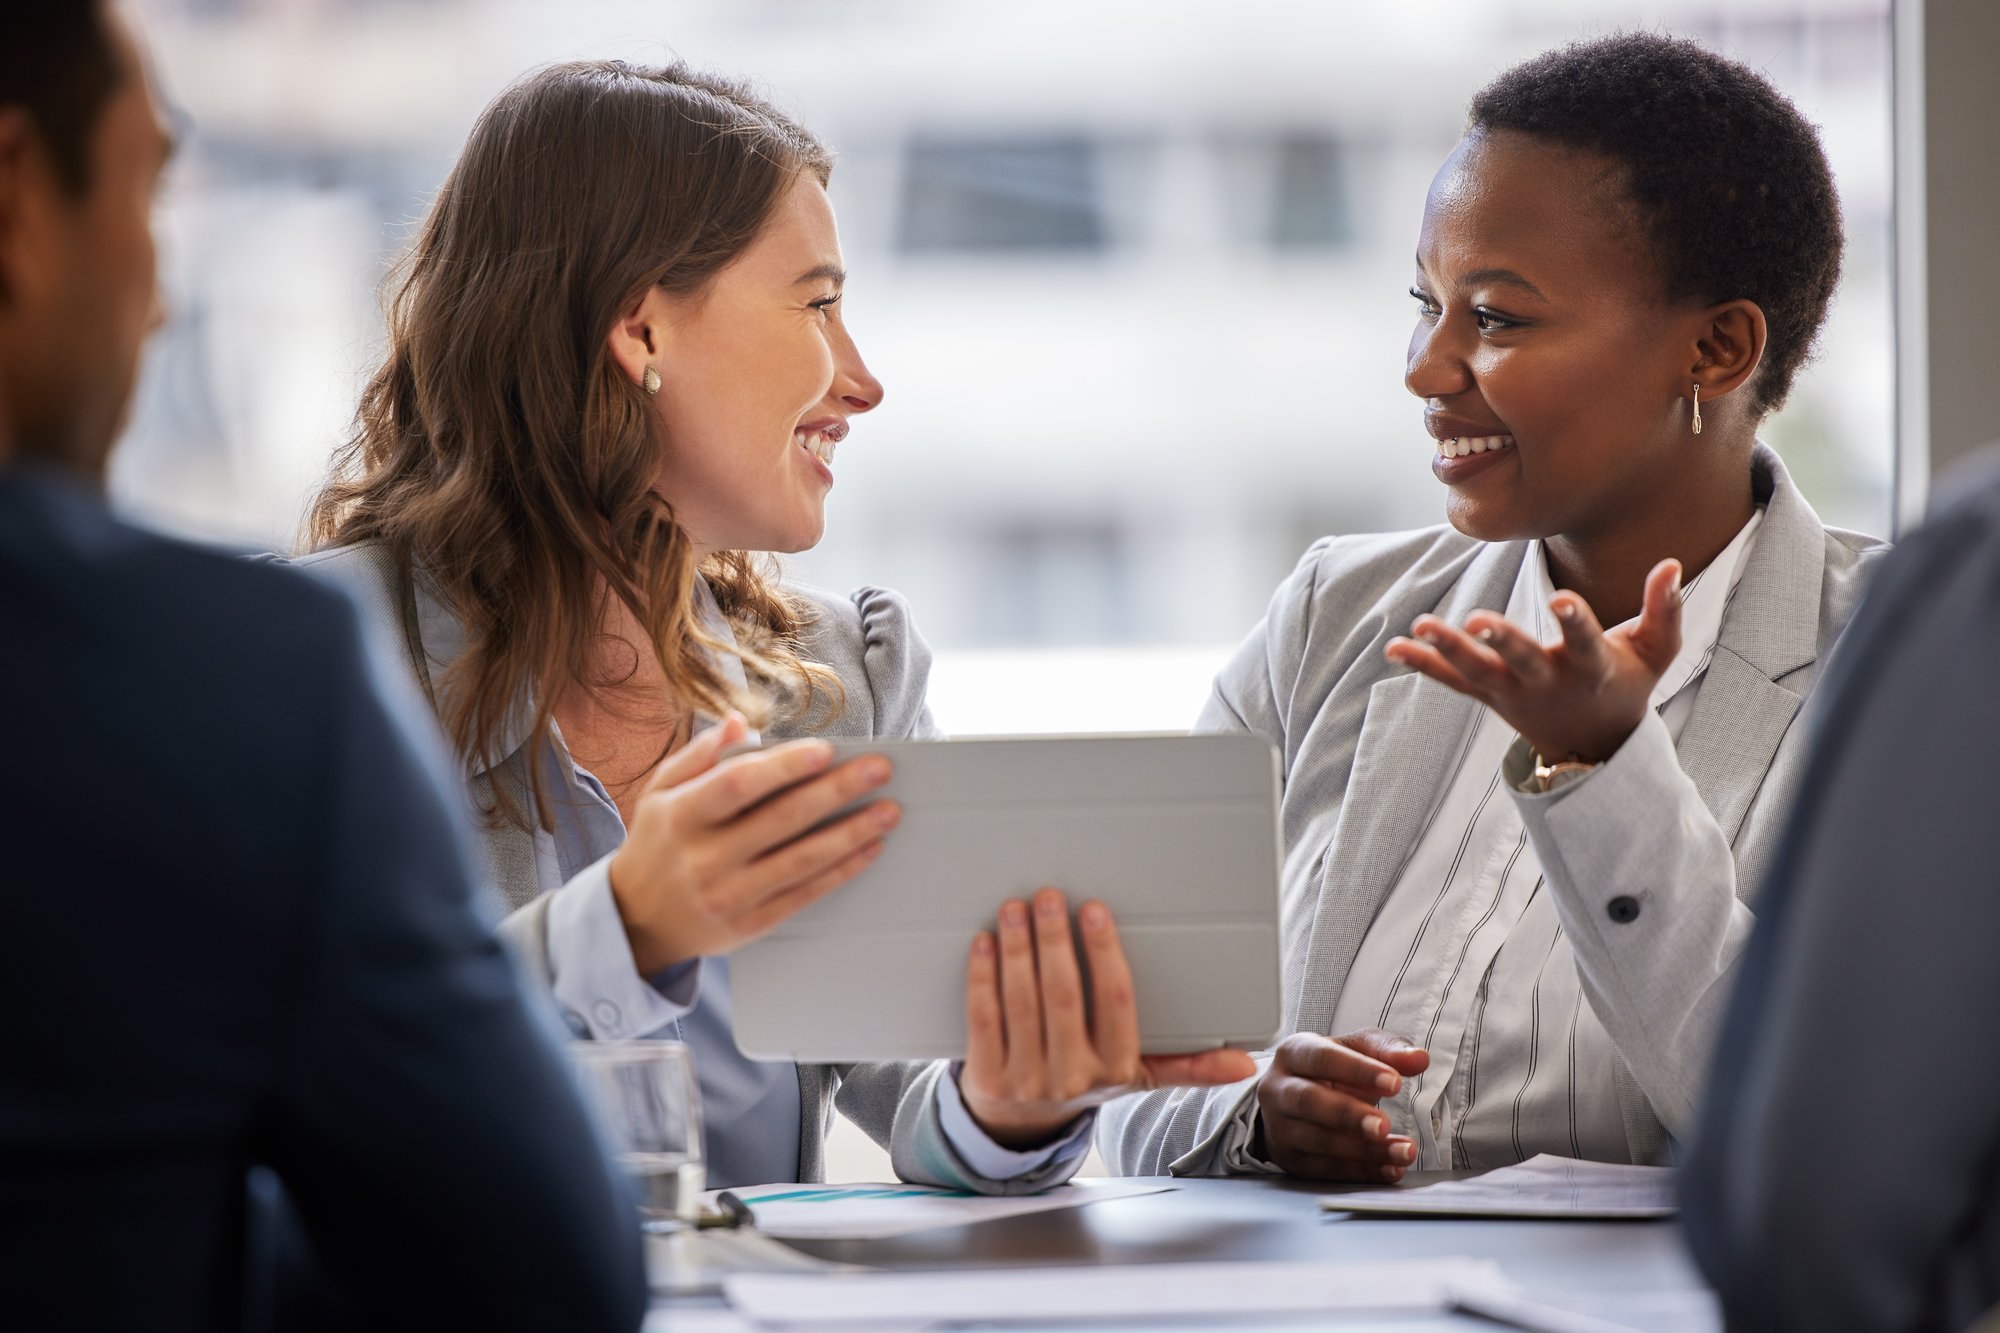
1002,194
1288,190
1050,580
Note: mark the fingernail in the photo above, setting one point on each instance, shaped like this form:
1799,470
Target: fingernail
1392,1173
888,815
1565,611
1095,917
1488,635
1049,906
1388,1082
1014,912
982,945
1372,1126
1403,1152
875,771
818,755
1428,634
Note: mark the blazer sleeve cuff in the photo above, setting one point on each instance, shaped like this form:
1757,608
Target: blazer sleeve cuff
986,1158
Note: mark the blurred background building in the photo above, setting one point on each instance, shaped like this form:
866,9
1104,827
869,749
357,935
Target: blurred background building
1134,272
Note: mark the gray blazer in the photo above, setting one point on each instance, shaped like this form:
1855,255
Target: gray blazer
1368,749
883,666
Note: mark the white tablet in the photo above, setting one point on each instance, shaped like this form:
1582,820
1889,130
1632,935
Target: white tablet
1177,834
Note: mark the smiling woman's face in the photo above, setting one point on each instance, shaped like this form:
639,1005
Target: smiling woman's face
1546,352
758,378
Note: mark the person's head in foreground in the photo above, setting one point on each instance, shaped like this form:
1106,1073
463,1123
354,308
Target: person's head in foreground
274,866
82,144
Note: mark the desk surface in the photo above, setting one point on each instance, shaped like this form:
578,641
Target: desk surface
1258,1219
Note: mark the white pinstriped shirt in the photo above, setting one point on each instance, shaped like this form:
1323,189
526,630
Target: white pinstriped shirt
1466,956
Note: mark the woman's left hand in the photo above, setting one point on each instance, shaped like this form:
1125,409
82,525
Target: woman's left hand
1032,1062
1581,697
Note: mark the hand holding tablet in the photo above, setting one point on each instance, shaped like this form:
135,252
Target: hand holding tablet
1033,1063
723,846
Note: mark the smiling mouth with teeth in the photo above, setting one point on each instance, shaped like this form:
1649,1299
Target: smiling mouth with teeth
1460,448
819,443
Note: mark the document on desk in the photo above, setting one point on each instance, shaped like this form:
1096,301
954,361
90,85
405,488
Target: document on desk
1125,1292
874,1212
1544,1186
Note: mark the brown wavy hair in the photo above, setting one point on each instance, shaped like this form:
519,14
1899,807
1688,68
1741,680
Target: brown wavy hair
503,457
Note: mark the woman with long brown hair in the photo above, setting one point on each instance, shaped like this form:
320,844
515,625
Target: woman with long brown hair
617,371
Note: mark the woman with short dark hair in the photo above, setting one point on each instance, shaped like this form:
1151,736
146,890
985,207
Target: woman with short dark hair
1521,846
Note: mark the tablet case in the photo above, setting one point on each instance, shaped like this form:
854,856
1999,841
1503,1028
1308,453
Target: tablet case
1177,834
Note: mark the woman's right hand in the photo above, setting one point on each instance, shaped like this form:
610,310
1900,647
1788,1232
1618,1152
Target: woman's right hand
1316,1106
719,849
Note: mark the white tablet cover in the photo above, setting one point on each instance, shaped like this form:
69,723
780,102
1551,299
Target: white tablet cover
1177,834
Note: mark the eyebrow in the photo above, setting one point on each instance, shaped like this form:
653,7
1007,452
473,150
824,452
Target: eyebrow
1506,276
824,273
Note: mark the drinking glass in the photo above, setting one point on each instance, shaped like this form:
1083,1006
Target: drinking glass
646,1098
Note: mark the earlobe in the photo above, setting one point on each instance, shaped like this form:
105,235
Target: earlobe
634,343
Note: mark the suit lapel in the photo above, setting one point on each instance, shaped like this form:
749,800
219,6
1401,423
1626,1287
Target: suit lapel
1413,737
509,849
1766,655
1739,719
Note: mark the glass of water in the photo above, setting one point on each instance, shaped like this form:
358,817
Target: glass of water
646,1098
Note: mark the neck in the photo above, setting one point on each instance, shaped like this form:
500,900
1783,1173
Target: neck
1691,521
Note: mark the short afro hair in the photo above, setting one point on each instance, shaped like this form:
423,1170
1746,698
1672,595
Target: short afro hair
1729,181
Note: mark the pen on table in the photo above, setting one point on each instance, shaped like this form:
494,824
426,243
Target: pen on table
734,1212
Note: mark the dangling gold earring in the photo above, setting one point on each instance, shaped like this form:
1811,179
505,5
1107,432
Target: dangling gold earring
651,379
1697,407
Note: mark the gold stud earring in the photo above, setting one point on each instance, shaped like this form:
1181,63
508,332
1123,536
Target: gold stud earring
1697,409
651,379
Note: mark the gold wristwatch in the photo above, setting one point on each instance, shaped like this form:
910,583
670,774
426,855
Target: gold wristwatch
1549,777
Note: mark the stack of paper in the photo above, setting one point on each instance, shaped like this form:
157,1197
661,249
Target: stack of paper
1544,1186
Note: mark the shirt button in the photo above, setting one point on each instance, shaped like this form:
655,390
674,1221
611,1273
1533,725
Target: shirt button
608,1015
1623,909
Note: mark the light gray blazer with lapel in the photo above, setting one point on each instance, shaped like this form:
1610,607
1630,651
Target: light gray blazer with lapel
883,666
1367,749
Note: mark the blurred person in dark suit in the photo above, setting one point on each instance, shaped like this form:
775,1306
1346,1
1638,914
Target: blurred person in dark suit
1844,1173
243,937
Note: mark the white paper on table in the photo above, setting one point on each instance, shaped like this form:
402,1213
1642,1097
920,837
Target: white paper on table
1544,1186
1130,1291
874,1212
1690,1310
